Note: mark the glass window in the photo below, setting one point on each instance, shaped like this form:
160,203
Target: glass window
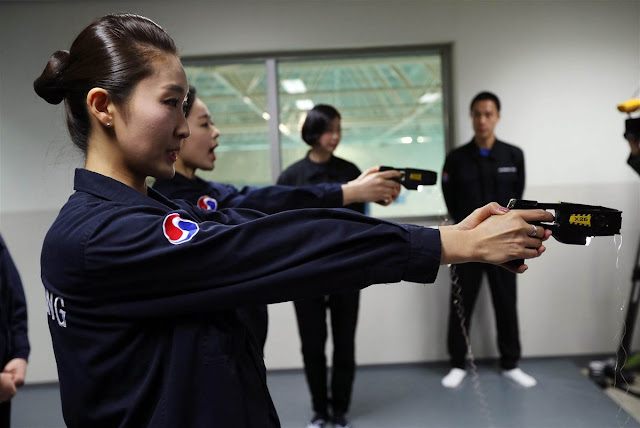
393,106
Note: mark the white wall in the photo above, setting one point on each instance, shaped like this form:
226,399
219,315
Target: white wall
559,67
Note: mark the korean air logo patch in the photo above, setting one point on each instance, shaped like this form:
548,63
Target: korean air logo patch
178,230
207,203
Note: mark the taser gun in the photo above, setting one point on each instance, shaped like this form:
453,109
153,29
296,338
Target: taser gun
413,177
573,223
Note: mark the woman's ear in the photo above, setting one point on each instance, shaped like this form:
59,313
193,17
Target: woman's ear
100,106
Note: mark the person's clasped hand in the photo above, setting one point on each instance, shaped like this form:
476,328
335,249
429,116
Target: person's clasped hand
7,387
17,368
502,235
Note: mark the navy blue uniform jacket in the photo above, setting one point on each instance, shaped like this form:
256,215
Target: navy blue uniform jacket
335,170
14,342
268,199
470,180
142,292
210,195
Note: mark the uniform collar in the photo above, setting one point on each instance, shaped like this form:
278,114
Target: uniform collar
323,164
107,188
496,149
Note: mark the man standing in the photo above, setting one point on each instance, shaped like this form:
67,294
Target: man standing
483,170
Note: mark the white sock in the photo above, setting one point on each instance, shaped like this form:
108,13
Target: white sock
519,377
454,378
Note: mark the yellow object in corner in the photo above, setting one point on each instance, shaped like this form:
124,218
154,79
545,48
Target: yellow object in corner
629,106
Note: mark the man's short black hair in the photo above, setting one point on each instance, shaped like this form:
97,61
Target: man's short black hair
483,96
317,122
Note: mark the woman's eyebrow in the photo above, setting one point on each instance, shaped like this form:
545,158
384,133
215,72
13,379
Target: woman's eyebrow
175,88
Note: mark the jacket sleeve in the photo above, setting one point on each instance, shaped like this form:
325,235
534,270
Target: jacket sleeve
131,270
273,199
18,306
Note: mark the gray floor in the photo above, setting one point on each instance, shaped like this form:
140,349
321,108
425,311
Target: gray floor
410,396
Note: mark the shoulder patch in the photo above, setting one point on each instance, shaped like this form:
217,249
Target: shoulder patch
207,203
178,230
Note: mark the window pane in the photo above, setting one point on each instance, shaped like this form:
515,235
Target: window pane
392,114
237,98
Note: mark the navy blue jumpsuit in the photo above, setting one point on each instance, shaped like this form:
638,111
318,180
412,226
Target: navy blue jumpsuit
14,342
343,307
472,178
209,195
141,294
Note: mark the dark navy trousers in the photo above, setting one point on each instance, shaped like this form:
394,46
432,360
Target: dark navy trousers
311,314
502,284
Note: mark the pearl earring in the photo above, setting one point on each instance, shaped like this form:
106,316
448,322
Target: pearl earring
108,125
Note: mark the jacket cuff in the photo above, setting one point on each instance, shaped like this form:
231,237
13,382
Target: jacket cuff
21,353
21,348
425,254
334,196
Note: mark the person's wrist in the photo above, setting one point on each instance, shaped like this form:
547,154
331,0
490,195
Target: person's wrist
348,194
457,245
476,252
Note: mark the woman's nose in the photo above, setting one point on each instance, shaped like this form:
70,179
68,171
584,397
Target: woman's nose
183,130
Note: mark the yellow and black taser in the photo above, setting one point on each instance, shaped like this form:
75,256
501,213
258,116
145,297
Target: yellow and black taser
413,177
574,223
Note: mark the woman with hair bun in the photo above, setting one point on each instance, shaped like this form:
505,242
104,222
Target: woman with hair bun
141,291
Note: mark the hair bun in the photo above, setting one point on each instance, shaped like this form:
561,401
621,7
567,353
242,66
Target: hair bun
49,85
